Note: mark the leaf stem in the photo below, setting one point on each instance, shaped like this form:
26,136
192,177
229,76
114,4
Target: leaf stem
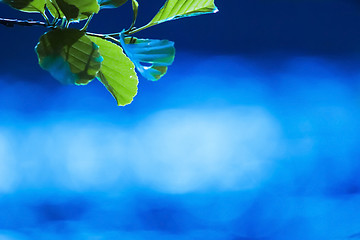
46,18
63,23
135,30
12,22
104,36
87,23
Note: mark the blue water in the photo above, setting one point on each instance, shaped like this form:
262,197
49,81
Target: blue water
224,147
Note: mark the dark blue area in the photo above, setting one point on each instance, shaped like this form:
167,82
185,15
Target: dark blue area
241,27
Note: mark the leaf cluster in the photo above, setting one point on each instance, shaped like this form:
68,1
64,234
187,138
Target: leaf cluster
75,56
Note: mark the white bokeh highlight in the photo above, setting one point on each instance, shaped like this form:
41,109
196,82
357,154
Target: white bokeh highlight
174,151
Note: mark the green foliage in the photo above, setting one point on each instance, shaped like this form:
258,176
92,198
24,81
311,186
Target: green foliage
111,3
72,10
175,9
77,57
69,55
117,72
27,5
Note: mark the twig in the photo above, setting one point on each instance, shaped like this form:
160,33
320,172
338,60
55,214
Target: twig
28,23
104,36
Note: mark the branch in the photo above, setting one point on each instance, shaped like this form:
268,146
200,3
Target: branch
28,23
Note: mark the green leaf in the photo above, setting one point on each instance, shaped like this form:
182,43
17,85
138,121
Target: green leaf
175,9
54,9
72,9
27,5
117,72
111,3
69,55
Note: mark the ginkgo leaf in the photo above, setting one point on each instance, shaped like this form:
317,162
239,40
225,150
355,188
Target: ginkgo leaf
72,9
117,72
26,5
150,56
69,55
175,9
111,3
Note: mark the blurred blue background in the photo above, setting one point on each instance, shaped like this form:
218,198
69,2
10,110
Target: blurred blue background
252,134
